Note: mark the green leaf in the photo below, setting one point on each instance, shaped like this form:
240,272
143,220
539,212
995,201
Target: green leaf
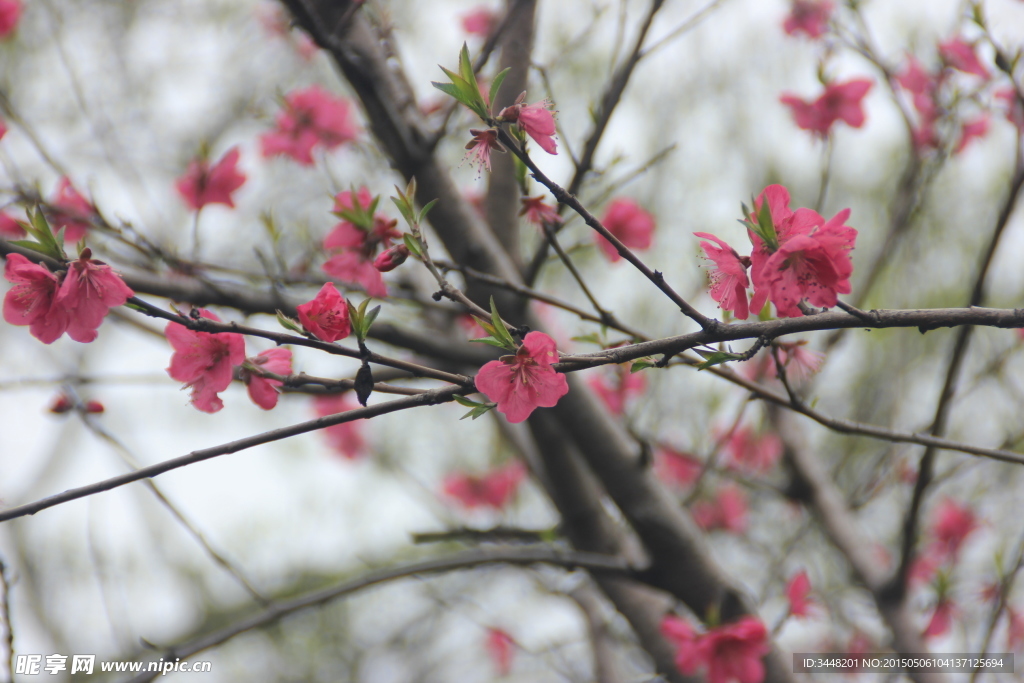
412,244
592,338
641,364
29,244
765,226
466,65
403,207
490,340
287,323
449,89
499,327
463,401
369,318
425,210
496,85
716,358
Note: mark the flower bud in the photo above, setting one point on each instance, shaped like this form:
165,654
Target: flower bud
391,258
94,407
62,404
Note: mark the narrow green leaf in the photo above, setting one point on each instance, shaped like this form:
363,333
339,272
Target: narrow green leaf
641,364
477,412
405,210
370,317
592,338
362,307
412,245
34,246
449,89
490,340
463,401
425,210
499,327
466,65
496,85
716,358
287,323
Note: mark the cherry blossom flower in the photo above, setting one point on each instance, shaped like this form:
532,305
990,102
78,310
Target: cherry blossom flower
500,647
960,55
840,101
536,120
941,620
30,300
326,316
799,361
263,390
797,591
491,490
751,451
922,86
10,13
633,226
10,228
311,117
623,386
89,290
480,147
539,213
970,130
523,382
203,184
346,439
729,278
71,211
951,525
479,21
359,245
811,261
390,259
676,468
727,511
808,16
730,652
204,361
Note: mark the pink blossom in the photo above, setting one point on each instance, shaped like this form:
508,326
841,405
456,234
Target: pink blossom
263,390
480,147
840,101
729,278
326,316
10,13
390,259
808,16
204,361
311,117
960,55
969,130
479,21
536,120
633,226
71,211
3,126
951,525
922,86
492,490
346,439
10,228
622,386
1012,106
500,647
89,290
941,620
523,382
30,300
812,260
359,244
797,591
727,511
730,652
539,213
751,451
203,184
673,467
799,361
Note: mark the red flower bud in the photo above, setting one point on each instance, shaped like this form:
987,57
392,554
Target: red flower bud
391,258
62,404
94,407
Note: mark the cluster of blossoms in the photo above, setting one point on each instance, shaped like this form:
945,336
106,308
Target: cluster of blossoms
926,90
206,363
355,243
730,652
797,256
74,300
